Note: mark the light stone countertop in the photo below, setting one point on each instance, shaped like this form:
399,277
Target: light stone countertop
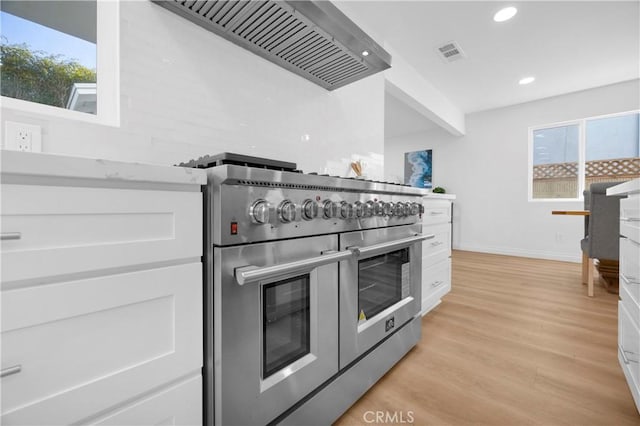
61,166
629,187
436,196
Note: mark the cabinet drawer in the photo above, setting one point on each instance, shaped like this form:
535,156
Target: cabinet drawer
87,345
630,303
180,404
630,217
630,294
436,278
438,248
630,267
630,208
436,211
631,230
629,344
64,230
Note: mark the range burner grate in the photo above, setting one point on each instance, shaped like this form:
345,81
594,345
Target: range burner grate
207,161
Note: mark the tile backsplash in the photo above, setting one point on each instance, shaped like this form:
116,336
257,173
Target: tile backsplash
186,92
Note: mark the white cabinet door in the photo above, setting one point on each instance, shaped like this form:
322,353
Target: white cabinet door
436,211
630,275
629,350
180,404
64,230
436,252
438,248
436,282
85,346
630,217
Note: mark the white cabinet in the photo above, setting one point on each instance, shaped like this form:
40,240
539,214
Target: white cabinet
629,305
175,405
66,229
436,251
101,293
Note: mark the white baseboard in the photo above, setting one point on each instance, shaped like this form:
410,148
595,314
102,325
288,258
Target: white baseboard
510,251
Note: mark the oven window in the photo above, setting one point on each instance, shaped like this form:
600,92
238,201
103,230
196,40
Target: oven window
285,323
382,281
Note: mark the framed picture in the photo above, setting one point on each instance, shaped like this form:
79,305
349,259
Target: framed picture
418,168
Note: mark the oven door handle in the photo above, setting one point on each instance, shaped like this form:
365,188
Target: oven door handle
390,246
250,274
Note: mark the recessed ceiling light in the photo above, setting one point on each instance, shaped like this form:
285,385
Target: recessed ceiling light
505,14
526,80
365,53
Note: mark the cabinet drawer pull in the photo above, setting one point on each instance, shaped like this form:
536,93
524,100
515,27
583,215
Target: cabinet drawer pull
630,280
436,283
10,236
10,370
436,243
435,213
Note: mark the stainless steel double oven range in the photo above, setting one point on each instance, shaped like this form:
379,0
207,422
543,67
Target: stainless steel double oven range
312,289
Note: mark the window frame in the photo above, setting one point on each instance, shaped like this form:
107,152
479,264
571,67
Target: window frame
107,68
582,146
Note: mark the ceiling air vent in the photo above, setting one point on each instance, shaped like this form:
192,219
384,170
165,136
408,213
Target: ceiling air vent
451,51
310,38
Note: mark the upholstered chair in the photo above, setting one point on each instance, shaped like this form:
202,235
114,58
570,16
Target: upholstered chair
602,229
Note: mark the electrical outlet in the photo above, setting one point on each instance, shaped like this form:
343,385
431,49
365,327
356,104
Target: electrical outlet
22,137
23,140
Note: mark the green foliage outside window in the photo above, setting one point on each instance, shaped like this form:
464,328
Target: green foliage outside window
37,77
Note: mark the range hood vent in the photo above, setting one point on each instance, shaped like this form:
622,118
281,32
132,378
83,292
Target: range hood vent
313,39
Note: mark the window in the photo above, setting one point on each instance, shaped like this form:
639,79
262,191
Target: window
566,158
60,58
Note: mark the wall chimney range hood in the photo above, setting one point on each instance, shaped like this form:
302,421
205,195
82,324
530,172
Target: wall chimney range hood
311,38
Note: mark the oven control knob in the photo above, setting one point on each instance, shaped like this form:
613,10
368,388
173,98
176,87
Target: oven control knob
287,211
377,208
387,209
259,212
414,209
398,209
368,210
309,209
329,209
346,210
358,209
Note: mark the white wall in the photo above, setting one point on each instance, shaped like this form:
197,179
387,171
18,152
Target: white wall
186,92
408,85
487,170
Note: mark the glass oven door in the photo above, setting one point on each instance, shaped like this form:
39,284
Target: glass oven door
382,282
380,288
286,325
275,330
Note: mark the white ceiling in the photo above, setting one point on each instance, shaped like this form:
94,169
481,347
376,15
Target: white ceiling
568,46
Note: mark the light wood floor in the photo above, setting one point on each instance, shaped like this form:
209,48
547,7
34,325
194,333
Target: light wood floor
516,342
